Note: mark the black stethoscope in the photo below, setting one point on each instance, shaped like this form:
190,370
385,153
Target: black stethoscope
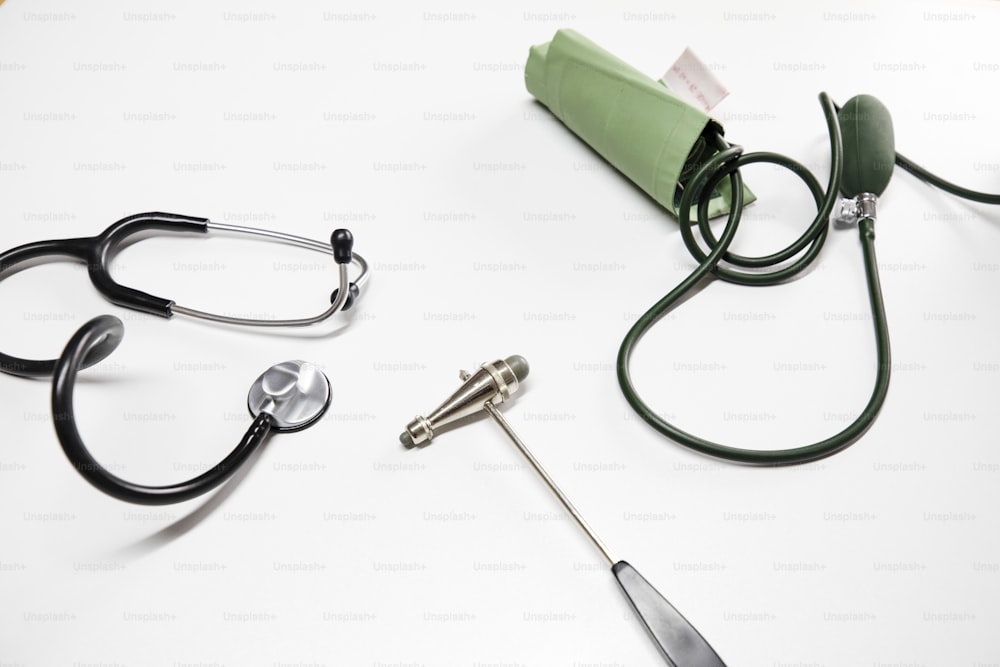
289,396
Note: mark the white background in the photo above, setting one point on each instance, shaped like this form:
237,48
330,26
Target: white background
493,231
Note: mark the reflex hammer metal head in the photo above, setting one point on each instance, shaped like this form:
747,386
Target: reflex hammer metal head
493,383
482,391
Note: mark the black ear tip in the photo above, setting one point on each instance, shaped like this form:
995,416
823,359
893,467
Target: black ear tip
341,236
353,292
101,336
342,242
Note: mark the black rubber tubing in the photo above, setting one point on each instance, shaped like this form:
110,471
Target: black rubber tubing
96,252
106,332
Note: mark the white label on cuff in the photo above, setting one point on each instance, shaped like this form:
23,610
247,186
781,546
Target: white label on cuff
691,79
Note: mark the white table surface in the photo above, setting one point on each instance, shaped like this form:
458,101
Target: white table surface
492,231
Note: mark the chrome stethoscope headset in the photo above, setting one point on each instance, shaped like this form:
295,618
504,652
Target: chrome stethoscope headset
289,396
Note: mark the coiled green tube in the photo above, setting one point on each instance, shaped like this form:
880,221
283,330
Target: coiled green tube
793,259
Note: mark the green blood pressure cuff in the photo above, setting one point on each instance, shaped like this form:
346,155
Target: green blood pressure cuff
638,125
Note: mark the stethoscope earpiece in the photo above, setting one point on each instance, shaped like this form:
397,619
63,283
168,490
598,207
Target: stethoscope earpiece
353,292
342,243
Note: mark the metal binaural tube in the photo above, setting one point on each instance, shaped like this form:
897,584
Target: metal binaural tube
292,239
340,248
254,322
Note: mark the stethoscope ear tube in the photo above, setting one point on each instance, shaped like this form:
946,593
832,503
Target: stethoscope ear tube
103,334
20,257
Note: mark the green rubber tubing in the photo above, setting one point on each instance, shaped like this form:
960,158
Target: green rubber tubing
950,188
765,271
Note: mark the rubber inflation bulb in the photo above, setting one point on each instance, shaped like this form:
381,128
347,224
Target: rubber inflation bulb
869,146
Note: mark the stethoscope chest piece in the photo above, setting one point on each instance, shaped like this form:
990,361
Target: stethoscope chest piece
287,397
294,393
